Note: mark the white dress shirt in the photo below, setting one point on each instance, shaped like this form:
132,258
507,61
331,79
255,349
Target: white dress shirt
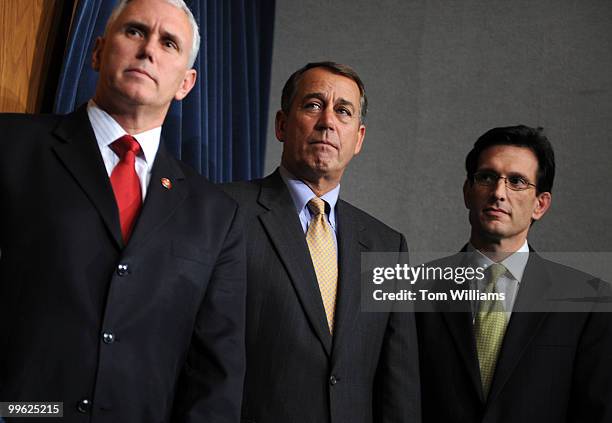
509,282
107,130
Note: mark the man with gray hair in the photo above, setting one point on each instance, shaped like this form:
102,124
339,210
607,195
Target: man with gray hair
122,274
312,354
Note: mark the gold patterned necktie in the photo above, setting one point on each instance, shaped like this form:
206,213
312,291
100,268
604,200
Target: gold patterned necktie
489,328
322,248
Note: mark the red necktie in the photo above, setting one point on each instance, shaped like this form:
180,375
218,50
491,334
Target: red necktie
126,184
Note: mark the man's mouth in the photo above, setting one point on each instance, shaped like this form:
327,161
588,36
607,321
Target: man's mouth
323,142
141,72
495,211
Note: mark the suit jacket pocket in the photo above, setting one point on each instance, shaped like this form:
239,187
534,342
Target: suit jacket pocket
190,252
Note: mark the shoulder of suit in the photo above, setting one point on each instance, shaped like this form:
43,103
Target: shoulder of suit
27,122
365,219
203,186
29,130
567,281
564,274
244,192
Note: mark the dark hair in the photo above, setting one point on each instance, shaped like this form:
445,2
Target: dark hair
519,136
339,69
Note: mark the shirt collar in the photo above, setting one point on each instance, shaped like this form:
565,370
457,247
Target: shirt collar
515,263
107,130
301,193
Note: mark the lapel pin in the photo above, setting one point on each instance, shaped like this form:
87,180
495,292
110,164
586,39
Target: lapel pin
166,183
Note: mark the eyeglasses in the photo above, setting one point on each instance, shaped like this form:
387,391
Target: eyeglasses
514,182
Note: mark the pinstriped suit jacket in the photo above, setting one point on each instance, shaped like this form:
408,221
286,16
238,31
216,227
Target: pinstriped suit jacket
296,371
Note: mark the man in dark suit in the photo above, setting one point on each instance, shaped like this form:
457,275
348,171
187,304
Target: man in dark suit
312,355
523,357
122,275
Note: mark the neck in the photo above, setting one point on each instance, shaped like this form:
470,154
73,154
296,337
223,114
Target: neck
320,184
320,187
497,249
134,119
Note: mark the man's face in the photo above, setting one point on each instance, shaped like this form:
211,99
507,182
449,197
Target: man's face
499,215
322,131
142,59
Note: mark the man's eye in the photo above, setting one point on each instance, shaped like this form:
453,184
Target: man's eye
312,106
171,44
133,31
517,180
344,111
487,177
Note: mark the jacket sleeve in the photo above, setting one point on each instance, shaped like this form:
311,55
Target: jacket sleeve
397,396
211,384
592,375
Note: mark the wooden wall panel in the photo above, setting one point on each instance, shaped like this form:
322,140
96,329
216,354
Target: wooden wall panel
26,31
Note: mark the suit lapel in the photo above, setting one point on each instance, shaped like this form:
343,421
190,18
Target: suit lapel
78,151
283,227
461,327
523,326
351,243
161,201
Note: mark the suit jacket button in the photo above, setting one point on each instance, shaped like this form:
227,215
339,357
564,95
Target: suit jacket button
122,269
108,337
83,406
333,380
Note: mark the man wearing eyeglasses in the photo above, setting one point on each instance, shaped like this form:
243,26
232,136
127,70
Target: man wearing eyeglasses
515,358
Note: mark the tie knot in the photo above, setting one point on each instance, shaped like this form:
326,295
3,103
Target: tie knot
124,144
495,271
316,206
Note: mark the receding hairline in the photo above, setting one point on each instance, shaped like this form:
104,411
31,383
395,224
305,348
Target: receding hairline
193,47
291,85
318,94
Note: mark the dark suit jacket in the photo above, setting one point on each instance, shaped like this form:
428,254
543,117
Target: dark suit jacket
553,366
296,371
173,318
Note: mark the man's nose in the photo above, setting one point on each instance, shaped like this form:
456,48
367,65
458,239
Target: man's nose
147,49
327,119
500,190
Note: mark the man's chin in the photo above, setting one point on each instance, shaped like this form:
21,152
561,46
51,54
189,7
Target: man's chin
493,231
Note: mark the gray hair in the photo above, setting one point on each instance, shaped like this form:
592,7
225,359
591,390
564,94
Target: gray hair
195,44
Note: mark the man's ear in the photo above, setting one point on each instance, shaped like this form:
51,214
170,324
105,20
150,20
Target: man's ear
466,193
279,125
96,56
361,136
187,84
543,201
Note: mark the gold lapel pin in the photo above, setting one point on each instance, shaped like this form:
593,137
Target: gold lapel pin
166,183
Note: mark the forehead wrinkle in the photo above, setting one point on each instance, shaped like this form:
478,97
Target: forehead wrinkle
136,24
142,21
317,95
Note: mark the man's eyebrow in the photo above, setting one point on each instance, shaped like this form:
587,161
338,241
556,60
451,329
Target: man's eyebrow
343,102
511,173
166,35
138,25
317,95
320,96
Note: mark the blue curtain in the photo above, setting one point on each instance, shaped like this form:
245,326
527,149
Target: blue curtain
220,128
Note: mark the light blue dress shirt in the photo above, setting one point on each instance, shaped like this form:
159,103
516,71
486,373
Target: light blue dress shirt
302,194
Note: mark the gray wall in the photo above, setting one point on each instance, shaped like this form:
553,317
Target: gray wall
440,73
